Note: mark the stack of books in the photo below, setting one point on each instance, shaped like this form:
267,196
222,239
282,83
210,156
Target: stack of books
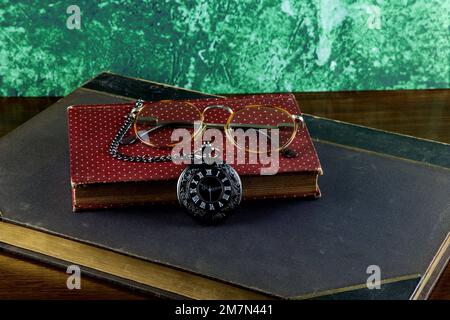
376,208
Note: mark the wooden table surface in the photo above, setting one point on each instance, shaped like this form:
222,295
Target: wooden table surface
419,113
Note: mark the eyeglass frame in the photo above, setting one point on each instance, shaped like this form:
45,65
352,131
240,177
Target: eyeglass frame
297,119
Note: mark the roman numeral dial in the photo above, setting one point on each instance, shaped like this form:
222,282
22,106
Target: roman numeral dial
212,186
209,191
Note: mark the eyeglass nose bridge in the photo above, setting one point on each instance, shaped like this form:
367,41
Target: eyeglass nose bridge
218,106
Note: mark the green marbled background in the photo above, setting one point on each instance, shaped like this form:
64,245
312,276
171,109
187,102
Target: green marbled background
223,46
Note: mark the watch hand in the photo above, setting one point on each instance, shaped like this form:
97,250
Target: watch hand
210,197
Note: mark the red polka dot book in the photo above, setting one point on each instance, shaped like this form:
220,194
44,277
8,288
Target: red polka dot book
101,181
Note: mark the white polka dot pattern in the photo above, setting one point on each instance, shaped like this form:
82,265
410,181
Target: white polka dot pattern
92,128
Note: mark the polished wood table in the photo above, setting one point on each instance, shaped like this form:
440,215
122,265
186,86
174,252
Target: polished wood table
420,113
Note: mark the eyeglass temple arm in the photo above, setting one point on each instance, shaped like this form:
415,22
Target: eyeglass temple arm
154,121
160,124
133,138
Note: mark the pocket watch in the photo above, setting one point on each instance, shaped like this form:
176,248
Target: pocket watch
209,192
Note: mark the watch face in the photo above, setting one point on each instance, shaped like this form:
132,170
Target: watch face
209,192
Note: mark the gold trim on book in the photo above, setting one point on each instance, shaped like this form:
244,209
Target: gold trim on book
354,287
152,274
433,272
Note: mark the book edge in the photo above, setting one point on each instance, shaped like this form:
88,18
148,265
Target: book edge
13,247
197,287
434,271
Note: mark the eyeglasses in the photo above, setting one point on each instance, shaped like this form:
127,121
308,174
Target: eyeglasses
155,123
